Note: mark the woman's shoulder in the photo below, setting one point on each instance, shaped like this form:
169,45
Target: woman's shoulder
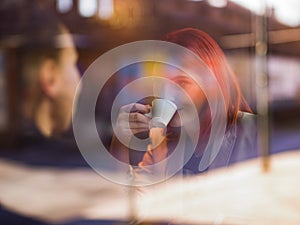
246,116
246,120
245,146
246,124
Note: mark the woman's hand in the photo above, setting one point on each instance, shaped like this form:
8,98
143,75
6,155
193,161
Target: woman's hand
131,120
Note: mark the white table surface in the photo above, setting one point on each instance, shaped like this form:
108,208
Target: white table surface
240,194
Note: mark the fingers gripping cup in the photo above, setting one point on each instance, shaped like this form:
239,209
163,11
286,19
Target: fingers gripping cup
161,112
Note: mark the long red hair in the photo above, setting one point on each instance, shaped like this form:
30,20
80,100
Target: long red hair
212,55
209,51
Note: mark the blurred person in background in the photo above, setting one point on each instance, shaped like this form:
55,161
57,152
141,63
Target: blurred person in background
240,134
49,78
47,61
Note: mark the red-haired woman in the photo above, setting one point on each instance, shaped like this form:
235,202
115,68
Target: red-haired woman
239,140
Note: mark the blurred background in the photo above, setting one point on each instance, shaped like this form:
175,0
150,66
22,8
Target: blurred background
260,38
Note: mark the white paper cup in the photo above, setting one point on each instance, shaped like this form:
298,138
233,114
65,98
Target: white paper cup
161,112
